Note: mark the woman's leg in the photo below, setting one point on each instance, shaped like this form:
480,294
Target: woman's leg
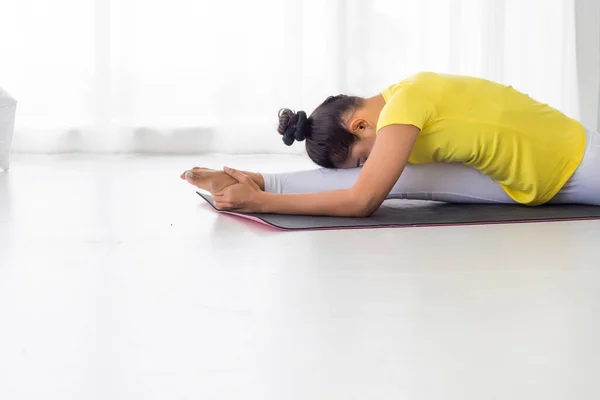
454,183
584,185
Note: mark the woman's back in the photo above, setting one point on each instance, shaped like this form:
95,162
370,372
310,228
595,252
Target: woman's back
528,147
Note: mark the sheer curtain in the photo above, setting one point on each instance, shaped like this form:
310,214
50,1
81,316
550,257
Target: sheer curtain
191,76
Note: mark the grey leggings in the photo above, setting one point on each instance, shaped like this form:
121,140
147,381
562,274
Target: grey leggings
455,183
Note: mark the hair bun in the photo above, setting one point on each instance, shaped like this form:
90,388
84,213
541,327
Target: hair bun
292,126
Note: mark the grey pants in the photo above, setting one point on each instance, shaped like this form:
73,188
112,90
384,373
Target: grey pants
454,183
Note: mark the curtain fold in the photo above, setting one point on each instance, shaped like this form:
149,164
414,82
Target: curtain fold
190,76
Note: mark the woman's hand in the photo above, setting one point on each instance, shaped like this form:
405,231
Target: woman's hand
243,196
210,180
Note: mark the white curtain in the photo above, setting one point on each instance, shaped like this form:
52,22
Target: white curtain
209,76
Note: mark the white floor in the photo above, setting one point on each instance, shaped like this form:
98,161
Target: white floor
117,282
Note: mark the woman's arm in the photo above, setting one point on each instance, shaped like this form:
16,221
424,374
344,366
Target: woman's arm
381,171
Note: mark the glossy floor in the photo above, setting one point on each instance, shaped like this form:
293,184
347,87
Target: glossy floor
117,282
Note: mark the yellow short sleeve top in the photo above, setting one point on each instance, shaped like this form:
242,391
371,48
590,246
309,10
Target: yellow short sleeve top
529,148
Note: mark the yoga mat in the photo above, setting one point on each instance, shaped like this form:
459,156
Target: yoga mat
413,213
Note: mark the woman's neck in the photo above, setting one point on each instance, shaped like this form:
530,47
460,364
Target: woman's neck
372,107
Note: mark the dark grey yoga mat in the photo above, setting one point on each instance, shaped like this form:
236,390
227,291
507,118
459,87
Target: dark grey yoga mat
410,213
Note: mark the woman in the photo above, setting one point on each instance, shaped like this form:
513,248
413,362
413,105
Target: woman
432,136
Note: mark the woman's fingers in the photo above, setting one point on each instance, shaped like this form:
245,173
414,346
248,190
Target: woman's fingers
225,200
223,205
237,175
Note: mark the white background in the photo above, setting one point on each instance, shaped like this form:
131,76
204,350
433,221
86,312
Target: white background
189,76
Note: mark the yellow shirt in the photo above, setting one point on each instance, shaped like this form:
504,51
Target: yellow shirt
529,148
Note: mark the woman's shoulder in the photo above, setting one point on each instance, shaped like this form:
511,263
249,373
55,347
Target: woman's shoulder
416,82
429,78
421,78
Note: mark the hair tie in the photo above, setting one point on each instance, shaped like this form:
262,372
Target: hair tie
301,130
297,128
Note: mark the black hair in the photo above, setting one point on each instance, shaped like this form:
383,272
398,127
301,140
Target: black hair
327,140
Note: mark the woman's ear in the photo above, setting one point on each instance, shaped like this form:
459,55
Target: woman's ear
359,125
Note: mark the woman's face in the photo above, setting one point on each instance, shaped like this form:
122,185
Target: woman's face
359,152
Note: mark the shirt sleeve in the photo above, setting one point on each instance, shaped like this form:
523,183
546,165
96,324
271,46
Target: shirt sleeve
409,106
